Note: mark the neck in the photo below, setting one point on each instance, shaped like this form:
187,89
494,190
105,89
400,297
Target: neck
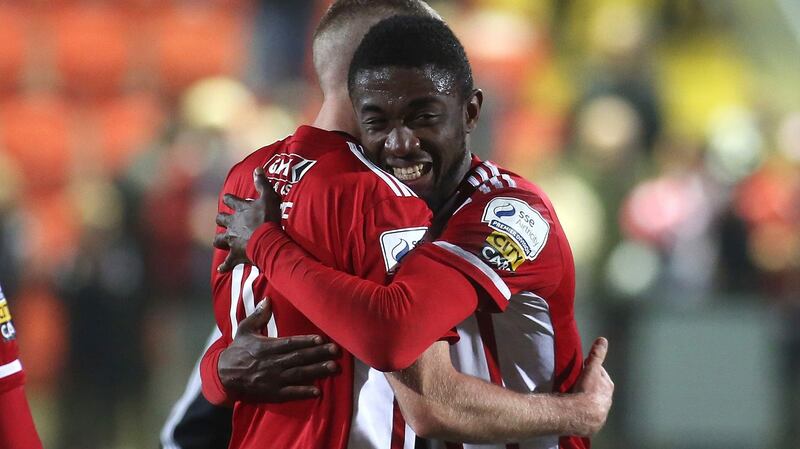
336,114
441,204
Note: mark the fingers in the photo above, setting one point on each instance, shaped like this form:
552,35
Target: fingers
228,264
260,180
597,354
233,201
294,393
309,373
307,356
221,242
258,319
290,345
223,219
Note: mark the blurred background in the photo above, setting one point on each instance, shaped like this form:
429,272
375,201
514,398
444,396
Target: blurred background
667,133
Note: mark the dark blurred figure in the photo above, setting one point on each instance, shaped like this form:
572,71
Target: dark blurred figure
103,289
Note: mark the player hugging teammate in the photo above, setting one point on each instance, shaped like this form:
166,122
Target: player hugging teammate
474,328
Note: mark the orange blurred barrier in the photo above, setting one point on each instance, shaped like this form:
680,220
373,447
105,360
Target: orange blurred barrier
195,41
125,125
12,46
36,132
92,48
526,136
52,228
41,321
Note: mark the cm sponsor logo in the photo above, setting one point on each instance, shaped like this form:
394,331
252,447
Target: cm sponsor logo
502,252
6,326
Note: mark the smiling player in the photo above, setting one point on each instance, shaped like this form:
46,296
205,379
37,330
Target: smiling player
501,248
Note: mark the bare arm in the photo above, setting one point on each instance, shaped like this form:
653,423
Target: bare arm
439,402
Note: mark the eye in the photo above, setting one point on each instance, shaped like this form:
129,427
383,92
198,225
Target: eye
373,123
426,117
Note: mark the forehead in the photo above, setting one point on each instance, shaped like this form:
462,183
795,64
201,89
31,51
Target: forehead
402,84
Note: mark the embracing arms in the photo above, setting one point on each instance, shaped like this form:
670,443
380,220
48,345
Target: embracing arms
439,402
386,326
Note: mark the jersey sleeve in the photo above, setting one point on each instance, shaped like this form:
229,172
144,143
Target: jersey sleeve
504,241
387,326
17,430
11,374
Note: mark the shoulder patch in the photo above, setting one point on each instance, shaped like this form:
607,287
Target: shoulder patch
285,170
397,243
523,224
6,326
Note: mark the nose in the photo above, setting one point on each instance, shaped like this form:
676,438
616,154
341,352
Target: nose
401,141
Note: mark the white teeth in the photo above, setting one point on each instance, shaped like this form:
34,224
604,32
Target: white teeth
408,173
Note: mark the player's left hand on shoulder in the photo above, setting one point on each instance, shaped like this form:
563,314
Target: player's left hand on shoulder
247,216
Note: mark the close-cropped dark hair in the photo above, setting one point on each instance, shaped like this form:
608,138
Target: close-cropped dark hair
413,42
343,10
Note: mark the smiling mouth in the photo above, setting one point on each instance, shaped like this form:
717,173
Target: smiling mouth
412,173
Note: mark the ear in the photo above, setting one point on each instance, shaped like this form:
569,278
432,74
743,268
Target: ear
472,111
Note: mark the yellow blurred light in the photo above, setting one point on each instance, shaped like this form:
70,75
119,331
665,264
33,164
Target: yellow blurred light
632,268
607,127
530,8
11,184
580,212
735,144
699,78
259,127
788,136
629,27
98,202
215,103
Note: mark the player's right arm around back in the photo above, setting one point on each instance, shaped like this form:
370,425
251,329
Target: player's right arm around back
244,364
438,402
257,368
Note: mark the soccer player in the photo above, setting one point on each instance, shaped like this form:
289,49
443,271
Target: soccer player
17,430
291,360
502,249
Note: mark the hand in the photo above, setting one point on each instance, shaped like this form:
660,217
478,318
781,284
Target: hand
247,216
595,388
256,368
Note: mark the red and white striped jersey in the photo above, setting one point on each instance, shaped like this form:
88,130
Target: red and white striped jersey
11,374
17,430
506,238
351,216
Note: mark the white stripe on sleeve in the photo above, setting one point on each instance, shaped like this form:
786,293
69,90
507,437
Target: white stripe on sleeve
480,171
511,182
397,187
10,368
498,282
493,168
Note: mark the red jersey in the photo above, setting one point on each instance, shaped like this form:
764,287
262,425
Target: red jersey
502,248
506,237
11,374
16,425
354,217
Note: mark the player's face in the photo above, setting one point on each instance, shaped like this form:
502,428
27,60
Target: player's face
414,124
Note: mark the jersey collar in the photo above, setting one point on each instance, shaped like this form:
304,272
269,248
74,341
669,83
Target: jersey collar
322,136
